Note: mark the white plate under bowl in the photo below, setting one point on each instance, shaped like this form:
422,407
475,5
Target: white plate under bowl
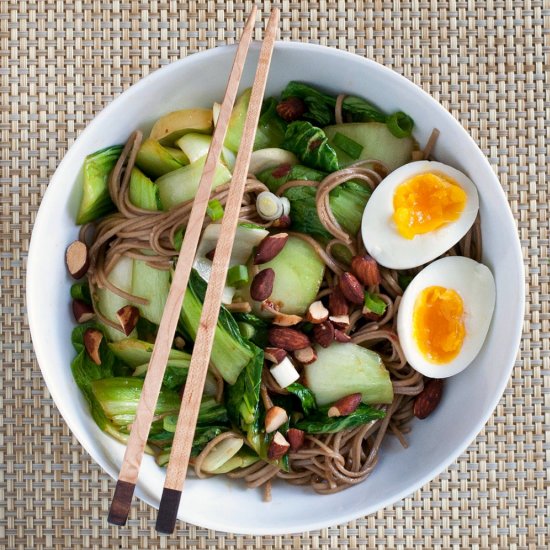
470,397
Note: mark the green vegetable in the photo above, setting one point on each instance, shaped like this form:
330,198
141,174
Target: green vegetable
135,352
350,147
230,352
253,328
377,141
143,192
310,144
153,284
215,210
400,124
375,304
96,201
172,126
343,369
120,396
320,106
178,154
320,423
306,397
81,291
237,275
210,412
175,374
271,127
298,275
181,185
236,121
404,280
361,110
247,331
245,457
156,160
275,177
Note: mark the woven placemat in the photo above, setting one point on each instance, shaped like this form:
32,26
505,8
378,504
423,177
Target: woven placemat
62,62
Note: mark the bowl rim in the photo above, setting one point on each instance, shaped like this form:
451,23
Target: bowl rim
74,151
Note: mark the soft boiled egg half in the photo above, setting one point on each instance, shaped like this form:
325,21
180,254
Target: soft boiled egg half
417,213
444,315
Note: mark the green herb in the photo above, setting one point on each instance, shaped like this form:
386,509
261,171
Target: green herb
237,276
215,210
374,303
320,422
400,124
350,147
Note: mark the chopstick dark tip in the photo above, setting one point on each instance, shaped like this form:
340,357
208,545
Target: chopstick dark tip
122,500
168,511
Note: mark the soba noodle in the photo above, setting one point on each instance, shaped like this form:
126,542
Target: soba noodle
328,463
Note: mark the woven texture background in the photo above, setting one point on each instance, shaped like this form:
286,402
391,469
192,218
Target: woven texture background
487,62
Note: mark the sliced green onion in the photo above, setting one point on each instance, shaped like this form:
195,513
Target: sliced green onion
237,275
215,210
375,304
350,147
400,124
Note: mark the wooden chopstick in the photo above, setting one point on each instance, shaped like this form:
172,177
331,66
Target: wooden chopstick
128,476
185,429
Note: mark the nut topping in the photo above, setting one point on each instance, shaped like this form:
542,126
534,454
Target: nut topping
92,341
262,284
278,447
77,259
291,108
341,336
270,247
82,311
345,406
295,438
274,355
337,304
317,312
305,355
428,399
285,320
128,316
351,288
274,419
323,334
288,339
282,223
366,270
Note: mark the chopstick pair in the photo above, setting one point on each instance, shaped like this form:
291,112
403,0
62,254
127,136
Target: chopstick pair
183,437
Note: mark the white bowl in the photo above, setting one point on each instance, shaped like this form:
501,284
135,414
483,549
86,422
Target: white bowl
470,397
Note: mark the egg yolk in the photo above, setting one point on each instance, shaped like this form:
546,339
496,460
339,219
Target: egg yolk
426,202
438,324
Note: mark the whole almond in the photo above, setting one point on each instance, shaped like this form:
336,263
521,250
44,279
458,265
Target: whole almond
295,438
291,108
274,355
262,284
337,304
77,259
366,270
345,406
351,288
323,334
128,316
288,339
428,399
278,447
82,311
270,247
282,223
317,312
92,341
305,356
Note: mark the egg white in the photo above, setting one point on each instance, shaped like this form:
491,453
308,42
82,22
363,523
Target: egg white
475,284
380,235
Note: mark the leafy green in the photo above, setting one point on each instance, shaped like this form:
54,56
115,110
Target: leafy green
274,178
362,111
271,127
120,396
81,291
404,280
260,327
142,192
96,201
310,144
230,352
320,422
320,106
210,412
375,304
347,202
306,397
